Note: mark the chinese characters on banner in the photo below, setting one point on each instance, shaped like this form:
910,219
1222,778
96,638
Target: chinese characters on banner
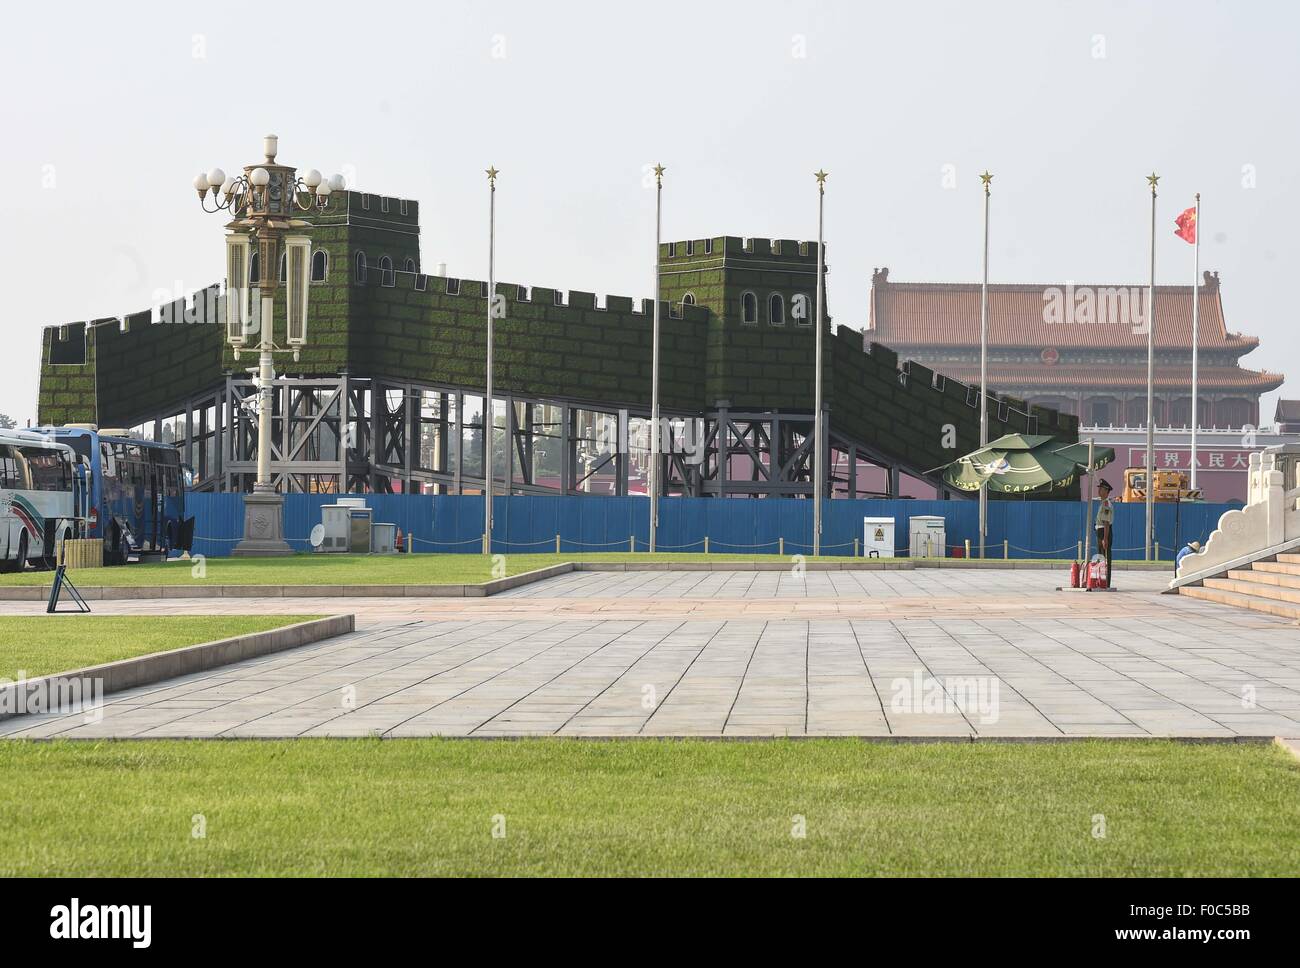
1180,459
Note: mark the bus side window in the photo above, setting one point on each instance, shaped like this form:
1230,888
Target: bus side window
107,462
10,475
48,469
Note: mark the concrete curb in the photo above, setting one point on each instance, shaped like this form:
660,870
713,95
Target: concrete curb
144,670
1292,746
108,593
852,564
499,585
779,564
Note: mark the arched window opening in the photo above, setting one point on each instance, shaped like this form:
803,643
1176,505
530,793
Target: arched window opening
776,309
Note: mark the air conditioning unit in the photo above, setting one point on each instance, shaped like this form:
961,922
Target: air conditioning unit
927,536
347,528
383,539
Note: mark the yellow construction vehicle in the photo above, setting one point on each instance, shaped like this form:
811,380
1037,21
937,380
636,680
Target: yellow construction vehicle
1170,486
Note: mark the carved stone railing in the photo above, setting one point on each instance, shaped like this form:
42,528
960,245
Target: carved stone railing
1268,524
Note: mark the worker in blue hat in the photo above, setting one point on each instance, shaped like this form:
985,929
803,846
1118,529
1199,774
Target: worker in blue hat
1105,523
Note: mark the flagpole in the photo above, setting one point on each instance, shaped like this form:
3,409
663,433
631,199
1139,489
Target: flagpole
819,455
984,365
653,476
1152,179
489,412
1196,329
1087,533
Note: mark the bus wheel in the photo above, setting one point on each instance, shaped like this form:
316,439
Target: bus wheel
20,562
50,562
117,552
7,565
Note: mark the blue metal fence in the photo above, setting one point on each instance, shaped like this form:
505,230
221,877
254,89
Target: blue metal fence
1032,529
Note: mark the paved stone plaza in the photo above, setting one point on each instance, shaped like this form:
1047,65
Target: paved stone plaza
943,652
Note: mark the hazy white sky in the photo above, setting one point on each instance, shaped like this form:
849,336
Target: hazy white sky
110,110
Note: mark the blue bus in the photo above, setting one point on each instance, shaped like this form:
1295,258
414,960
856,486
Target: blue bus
135,493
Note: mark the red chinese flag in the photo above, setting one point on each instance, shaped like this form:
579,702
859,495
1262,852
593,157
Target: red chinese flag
1186,226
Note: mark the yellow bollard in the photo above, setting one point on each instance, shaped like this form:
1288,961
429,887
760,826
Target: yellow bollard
557,544
706,544
631,543
780,546
1157,551
1006,549
855,547
968,548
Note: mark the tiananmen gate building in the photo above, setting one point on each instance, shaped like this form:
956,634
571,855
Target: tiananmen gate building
1079,349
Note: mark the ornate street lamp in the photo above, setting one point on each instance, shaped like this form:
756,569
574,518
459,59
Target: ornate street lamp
264,201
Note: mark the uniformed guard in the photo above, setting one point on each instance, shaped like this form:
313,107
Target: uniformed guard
1105,521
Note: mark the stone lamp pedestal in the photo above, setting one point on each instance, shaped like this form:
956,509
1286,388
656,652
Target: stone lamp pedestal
263,526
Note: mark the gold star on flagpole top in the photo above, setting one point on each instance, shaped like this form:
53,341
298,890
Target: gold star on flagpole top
492,175
985,180
821,177
1151,180
659,174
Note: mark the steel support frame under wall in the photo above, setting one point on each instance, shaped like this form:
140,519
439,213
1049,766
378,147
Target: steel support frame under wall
355,434
543,445
318,444
773,452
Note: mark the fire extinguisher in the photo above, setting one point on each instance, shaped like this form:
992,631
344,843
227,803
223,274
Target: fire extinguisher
1074,574
1097,574
400,544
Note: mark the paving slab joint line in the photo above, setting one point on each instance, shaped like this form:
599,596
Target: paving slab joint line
143,670
892,739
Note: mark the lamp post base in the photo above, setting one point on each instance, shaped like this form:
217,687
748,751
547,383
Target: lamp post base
263,527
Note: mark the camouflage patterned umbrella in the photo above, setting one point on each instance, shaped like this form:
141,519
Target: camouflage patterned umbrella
1024,464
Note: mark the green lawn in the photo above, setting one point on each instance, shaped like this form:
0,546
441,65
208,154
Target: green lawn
41,644
315,569
577,807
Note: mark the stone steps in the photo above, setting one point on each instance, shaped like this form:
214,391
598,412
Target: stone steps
1276,593
1254,603
1261,577
1278,567
1271,587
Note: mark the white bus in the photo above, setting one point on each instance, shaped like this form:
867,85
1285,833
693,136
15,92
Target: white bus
41,490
